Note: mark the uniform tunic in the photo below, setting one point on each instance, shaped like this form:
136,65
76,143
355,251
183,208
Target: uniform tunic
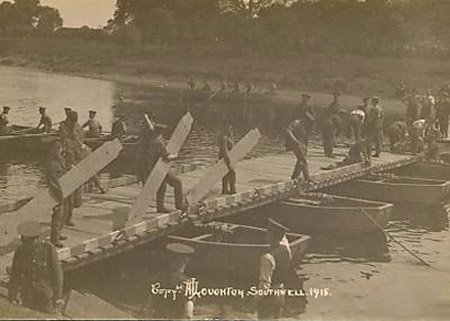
46,121
305,113
4,124
118,129
36,275
94,127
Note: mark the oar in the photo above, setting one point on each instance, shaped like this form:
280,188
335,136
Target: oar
393,239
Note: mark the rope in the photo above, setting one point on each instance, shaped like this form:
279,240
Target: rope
393,239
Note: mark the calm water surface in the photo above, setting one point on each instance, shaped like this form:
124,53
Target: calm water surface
370,278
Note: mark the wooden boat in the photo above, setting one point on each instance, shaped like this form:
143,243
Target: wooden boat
204,96
322,213
428,170
129,150
233,247
397,189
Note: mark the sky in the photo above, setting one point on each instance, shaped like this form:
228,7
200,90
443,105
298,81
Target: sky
78,13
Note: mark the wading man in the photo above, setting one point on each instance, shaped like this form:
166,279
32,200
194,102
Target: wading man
36,274
274,271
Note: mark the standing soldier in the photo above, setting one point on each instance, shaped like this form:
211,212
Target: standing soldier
295,141
93,125
226,142
412,109
442,115
330,128
45,122
119,128
154,148
274,271
305,113
417,135
173,277
54,170
375,120
36,274
4,130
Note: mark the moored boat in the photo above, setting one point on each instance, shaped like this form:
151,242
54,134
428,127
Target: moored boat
396,189
428,170
322,213
234,248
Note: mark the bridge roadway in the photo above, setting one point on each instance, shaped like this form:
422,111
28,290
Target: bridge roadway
260,181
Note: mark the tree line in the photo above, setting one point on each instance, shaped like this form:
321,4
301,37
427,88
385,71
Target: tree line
274,26
28,17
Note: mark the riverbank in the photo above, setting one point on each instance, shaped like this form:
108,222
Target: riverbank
170,68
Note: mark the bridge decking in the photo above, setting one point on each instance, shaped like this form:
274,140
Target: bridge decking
259,181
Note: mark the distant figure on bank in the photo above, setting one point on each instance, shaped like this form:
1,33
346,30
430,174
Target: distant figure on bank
153,149
225,142
93,125
4,129
45,123
36,274
119,128
374,126
295,142
181,308
274,271
206,86
305,113
191,83
397,133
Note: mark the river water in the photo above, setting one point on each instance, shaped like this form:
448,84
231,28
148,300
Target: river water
369,278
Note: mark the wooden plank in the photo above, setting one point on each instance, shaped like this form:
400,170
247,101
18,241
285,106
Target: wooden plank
160,170
213,175
43,202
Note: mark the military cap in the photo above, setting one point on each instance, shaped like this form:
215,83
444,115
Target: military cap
180,249
67,109
29,229
336,93
375,98
6,108
306,95
92,112
42,108
72,115
274,225
366,99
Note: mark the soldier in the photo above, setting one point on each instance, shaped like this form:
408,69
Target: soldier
93,125
154,148
191,83
173,277
54,170
334,107
375,118
119,128
295,141
417,135
225,142
45,122
330,128
274,271
357,118
36,274
432,149
305,113
442,115
357,154
412,109
428,111
397,135
4,130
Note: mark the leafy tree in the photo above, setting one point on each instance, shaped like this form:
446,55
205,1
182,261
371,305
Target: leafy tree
48,20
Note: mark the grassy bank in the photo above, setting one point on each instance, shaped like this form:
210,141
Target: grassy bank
317,72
